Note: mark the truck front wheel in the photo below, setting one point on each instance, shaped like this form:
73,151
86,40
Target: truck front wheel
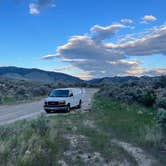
47,111
68,108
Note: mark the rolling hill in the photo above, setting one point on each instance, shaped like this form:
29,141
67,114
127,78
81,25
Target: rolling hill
37,75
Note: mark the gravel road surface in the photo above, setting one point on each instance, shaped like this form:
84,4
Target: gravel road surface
12,113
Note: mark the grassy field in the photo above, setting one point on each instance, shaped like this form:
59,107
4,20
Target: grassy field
82,138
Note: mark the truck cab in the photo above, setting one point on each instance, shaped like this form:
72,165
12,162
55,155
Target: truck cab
63,99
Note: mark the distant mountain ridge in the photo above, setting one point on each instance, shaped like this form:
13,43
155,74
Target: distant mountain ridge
37,75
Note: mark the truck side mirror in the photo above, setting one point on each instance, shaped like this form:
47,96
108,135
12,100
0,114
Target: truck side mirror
71,94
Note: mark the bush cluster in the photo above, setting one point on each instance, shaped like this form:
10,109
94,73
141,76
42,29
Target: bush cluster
147,93
18,90
36,143
161,118
40,126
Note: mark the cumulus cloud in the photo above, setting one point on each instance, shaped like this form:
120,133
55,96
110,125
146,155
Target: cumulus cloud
90,53
126,20
152,43
84,47
37,6
101,33
155,72
142,72
148,18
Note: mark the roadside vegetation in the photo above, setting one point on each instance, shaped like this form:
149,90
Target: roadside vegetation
14,91
148,94
135,112
58,140
134,124
84,138
132,114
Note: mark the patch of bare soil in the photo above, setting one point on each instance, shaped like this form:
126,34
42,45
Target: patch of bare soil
81,153
140,156
137,153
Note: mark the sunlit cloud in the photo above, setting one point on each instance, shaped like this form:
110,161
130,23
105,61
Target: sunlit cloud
101,33
49,56
92,54
148,18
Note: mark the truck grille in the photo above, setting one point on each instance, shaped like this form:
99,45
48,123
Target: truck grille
53,103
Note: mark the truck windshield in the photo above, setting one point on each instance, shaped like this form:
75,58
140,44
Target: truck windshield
59,93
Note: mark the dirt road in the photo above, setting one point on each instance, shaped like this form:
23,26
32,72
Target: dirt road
12,113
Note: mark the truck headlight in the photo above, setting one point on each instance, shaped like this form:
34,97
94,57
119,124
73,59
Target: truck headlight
62,102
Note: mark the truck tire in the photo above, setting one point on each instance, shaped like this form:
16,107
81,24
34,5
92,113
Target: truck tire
80,104
47,111
68,108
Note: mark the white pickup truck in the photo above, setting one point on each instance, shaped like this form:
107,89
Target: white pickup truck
63,99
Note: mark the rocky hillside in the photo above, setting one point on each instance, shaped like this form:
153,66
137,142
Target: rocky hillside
37,75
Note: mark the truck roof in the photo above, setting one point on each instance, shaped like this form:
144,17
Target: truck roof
67,88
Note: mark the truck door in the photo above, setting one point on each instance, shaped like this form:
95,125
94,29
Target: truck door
72,99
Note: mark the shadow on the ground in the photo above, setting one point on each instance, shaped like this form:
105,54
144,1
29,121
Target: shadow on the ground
62,111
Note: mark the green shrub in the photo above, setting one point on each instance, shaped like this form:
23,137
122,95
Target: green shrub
161,118
147,99
161,102
40,126
8,99
5,132
1,100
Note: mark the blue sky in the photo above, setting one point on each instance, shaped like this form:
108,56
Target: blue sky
30,30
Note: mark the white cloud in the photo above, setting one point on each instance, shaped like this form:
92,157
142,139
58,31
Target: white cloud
101,33
37,6
93,57
90,53
148,18
73,60
49,56
152,43
33,9
84,47
142,72
126,20
155,72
